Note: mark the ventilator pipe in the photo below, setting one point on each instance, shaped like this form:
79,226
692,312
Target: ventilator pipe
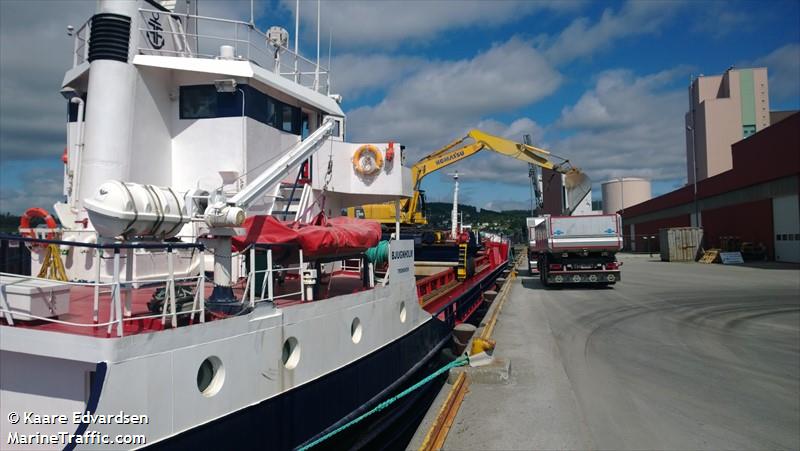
222,299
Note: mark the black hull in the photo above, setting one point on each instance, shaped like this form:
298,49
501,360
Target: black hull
311,410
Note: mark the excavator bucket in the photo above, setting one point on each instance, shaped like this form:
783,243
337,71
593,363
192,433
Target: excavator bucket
575,178
577,185
576,182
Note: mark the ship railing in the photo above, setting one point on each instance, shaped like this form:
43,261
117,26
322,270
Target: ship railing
266,292
120,290
179,35
352,265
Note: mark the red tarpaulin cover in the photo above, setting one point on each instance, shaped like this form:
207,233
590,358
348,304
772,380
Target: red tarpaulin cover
323,237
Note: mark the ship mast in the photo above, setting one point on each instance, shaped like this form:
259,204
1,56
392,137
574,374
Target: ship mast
454,214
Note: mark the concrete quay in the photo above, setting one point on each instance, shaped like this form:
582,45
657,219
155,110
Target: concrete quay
675,356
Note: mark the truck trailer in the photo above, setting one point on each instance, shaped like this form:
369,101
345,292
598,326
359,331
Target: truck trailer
577,249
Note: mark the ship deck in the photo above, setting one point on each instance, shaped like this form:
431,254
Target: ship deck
440,294
141,320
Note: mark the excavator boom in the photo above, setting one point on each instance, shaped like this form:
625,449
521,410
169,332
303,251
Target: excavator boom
524,152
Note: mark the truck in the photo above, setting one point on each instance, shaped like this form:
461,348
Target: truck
577,249
533,256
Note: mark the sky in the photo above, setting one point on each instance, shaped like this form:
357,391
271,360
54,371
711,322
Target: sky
603,84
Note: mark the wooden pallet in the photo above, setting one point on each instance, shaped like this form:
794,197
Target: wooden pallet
710,256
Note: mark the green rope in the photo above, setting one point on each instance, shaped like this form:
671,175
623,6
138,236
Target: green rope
461,361
379,253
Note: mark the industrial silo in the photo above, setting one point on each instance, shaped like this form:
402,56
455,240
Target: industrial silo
624,192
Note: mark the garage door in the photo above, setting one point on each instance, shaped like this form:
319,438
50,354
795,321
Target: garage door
786,220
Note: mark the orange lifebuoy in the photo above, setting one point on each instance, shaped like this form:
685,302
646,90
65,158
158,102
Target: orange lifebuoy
367,160
36,212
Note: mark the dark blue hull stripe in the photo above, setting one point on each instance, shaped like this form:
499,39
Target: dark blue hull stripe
94,397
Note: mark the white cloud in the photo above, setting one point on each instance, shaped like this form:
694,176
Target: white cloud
232,9
441,101
783,68
588,112
34,53
582,38
355,75
515,130
625,125
639,133
43,191
719,19
398,24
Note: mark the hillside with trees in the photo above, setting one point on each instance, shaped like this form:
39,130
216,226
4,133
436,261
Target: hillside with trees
509,223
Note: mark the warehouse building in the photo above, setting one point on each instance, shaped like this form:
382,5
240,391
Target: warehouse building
754,203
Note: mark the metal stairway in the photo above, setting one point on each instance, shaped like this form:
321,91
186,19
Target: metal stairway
291,198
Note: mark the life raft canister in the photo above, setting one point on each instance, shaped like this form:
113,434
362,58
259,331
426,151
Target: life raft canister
36,212
367,160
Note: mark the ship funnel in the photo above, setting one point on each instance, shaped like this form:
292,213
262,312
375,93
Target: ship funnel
111,95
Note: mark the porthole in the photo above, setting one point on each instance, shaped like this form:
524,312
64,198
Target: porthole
403,312
356,330
210,376
291,353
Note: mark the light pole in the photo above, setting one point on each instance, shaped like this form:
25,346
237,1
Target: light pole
694,155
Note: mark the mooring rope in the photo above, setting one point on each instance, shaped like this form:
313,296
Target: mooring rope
461,361
378,254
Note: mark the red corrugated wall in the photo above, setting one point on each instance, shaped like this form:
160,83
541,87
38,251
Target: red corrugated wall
751,221
651,228
770,154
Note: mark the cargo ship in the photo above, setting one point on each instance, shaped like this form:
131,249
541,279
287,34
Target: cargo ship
198,285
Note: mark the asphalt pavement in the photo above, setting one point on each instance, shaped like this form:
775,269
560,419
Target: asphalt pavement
676,356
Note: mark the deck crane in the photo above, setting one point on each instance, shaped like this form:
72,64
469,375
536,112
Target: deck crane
412,209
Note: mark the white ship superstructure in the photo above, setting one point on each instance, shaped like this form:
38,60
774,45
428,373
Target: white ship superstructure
180,126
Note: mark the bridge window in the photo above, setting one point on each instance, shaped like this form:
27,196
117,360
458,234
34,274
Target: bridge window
199,102
204,102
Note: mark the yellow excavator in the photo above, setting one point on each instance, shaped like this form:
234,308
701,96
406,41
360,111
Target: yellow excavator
412,209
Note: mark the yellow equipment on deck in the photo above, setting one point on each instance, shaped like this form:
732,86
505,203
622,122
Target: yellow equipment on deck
412,210
53,266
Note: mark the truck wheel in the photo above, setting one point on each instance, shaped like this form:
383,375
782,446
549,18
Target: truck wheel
544,271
